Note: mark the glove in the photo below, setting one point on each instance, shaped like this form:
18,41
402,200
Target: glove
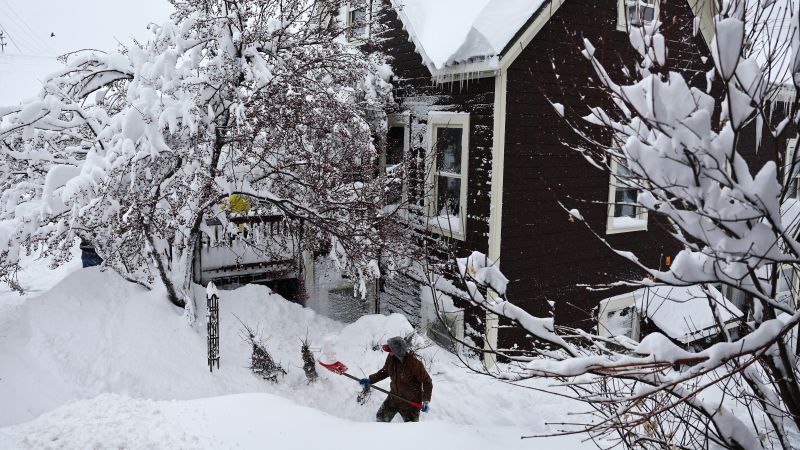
364,382
425,407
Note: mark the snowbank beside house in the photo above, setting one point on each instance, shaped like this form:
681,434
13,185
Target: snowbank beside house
94,334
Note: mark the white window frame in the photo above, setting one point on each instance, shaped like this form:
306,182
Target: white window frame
438,120
641,213
614,304
622,12
794,284
400,121
791,147
347,10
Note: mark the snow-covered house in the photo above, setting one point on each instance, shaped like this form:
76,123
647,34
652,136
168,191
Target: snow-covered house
475,85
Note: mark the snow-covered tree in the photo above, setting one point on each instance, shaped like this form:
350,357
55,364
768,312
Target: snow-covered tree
683,148
133,150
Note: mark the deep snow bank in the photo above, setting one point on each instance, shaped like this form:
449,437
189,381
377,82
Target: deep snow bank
94,333
247,421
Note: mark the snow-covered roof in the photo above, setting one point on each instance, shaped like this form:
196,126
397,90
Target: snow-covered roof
682,313
21,76
470,33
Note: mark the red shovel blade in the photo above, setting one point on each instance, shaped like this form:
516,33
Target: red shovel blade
335,367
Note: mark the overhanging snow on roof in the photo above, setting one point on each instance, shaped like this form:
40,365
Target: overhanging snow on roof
463,36
682,313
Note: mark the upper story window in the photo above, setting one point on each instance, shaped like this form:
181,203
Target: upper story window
636,13
397,144
624,215
792,172
449,148
357,21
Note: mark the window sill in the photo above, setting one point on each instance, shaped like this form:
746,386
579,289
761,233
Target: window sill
629,226
458,235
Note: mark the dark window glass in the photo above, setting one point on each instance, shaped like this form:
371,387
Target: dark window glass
395,145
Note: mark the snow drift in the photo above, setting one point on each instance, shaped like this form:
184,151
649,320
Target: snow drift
99,354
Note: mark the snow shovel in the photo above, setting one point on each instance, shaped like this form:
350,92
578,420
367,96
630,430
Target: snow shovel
340,369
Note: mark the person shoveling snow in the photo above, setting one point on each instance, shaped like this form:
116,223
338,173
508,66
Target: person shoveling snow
410,388
409,380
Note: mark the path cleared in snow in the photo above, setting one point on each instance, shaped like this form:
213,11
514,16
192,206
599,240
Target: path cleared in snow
126,355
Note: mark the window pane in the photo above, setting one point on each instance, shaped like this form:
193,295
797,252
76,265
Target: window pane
633,15
625,200
448,196
448,146
649,13
395,145
358,21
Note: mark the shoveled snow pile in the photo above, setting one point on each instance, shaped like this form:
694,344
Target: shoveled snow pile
97,362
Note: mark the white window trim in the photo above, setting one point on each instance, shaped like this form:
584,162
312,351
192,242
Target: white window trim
400,120
347,9
641,213
614,304
791,147
436,120
622,13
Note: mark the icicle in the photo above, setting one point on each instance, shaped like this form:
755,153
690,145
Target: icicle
759,130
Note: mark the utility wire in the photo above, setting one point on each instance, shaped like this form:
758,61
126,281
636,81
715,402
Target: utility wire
46,46
23,37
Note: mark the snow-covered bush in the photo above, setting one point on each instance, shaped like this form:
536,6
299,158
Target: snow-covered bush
133,150
683,150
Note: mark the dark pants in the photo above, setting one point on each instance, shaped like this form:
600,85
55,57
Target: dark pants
389,409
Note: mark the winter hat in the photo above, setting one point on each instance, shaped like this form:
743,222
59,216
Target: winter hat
398,346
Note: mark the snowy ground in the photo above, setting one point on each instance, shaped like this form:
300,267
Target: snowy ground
96,362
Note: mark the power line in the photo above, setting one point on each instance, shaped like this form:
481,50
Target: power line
33,34
22,36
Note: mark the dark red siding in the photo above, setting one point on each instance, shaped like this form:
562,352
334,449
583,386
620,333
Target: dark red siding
547,257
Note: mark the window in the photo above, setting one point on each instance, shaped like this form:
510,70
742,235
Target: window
636,13
787,287
449,147
617,316
392,160
792,172
357,22
623,213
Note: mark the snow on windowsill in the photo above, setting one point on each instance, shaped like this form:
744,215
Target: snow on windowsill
625,224
449,226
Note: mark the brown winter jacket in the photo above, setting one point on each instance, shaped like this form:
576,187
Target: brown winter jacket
409,378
